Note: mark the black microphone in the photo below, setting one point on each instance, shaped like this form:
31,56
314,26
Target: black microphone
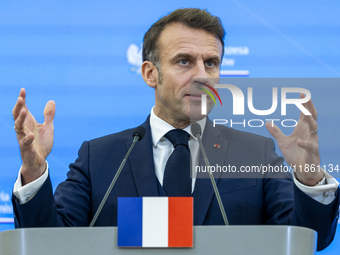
140,132
137,136
197,132
196,129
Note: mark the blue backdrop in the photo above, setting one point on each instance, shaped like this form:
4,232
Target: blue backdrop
85,55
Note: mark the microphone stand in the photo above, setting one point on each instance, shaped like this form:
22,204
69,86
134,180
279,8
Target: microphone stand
197,134
136,137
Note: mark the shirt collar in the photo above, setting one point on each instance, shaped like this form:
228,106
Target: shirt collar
159,127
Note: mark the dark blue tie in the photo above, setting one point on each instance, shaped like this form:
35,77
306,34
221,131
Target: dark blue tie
177,181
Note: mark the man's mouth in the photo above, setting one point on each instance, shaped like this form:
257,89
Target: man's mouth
194,96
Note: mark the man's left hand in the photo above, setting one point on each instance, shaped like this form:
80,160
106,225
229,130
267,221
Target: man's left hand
301,149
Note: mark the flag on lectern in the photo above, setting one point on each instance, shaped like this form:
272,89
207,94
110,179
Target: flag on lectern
155,221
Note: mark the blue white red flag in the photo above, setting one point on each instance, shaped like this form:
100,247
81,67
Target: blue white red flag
155,222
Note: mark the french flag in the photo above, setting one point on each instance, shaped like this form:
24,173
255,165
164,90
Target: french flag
155,222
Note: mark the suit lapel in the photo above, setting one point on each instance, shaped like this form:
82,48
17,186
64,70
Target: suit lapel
216,149
142,164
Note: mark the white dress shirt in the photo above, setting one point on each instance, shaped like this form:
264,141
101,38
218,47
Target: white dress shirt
162,147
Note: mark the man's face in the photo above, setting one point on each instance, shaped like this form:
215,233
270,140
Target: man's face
185,53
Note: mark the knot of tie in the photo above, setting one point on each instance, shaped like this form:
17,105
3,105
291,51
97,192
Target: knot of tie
178,136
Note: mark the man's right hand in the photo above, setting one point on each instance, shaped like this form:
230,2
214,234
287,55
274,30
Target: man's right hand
35,140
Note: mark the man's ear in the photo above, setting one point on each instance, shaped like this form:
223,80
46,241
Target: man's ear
150,73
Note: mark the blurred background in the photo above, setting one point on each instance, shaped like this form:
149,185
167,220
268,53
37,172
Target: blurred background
86,56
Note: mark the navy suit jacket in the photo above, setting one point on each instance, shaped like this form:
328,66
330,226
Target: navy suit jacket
247,201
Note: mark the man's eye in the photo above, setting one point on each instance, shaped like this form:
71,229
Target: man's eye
210,63
184,62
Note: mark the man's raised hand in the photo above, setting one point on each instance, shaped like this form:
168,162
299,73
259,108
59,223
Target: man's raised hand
35,140
301,148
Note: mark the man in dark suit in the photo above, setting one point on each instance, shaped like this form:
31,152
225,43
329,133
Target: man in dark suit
179,48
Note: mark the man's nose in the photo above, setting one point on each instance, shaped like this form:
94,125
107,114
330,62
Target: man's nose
200,73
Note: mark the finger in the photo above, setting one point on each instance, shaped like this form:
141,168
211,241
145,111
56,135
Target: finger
312,125
19,104
49,112
275,131
311,119
310,107
309,146
17,108
28,139
19,122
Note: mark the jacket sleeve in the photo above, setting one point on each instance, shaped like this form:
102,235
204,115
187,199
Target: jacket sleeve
69,206
286,204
